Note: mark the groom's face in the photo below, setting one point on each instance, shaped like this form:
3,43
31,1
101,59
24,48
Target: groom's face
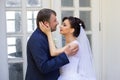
53,22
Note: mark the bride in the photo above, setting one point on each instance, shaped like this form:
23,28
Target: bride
81,65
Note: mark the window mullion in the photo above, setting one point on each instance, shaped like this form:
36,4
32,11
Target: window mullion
24,30
3,44
76,6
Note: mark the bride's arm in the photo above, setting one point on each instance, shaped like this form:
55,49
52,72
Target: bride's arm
53,50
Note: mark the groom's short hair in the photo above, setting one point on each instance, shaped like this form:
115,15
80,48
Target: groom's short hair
44,15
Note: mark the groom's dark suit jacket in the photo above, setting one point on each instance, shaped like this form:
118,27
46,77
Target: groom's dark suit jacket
41,66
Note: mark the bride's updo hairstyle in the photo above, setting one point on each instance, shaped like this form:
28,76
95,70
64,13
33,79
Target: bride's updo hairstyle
75,23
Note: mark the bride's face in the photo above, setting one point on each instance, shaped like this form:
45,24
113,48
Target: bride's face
65,28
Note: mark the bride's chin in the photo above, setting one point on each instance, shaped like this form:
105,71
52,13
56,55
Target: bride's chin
62,33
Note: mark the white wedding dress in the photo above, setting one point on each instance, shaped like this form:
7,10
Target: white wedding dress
80,66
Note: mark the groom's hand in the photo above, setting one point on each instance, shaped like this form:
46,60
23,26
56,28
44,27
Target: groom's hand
71,49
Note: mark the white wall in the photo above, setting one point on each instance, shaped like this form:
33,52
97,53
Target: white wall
111,39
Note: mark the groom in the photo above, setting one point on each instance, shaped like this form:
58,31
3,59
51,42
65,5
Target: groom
41,66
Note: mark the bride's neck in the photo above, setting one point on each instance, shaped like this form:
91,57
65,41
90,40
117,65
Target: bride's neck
69,38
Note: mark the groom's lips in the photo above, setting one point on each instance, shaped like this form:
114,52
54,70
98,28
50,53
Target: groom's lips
60,30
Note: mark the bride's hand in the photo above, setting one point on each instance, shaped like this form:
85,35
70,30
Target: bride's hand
44,28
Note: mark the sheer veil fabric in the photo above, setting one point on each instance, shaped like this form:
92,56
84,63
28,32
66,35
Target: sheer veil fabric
86,66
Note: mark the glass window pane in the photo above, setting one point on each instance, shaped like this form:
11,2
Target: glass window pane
84,3
63,40
67,13
13,3
15,71
31,20
89,38
11,24
10,14
14,47
30,26
36,3
13,19
85,16
67,3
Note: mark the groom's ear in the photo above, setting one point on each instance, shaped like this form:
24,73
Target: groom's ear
46,23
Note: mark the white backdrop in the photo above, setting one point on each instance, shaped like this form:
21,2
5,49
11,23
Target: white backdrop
111,39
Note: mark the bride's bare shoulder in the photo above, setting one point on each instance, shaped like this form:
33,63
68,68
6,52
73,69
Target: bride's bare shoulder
74,44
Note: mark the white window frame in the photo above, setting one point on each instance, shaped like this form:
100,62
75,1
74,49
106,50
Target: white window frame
3,44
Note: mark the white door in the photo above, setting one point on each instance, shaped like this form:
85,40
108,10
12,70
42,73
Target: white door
88,11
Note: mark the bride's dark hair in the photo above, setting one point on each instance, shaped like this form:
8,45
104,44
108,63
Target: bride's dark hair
75,23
